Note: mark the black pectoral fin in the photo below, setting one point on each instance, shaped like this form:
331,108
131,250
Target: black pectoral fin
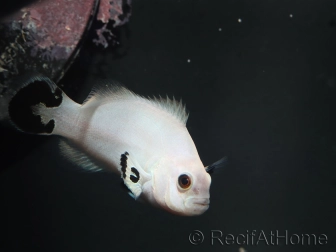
218,164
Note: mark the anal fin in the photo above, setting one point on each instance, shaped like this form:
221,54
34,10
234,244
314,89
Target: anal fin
78,157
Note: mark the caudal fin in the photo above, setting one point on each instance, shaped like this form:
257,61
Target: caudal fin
27,105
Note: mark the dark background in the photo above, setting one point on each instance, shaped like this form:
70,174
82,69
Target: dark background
262,92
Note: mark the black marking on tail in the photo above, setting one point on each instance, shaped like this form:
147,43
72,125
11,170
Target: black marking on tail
36,91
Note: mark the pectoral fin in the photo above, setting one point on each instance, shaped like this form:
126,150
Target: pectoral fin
132,174
216,165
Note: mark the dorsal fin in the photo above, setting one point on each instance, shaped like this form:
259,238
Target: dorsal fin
77,157
172,106
114,90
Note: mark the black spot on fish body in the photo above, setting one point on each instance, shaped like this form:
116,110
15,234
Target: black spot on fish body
137,175
123,163
123,169
123,157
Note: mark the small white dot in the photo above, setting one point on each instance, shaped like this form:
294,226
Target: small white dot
188,60
239,20
290,15
220,29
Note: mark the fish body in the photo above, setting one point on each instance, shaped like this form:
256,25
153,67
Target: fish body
144,140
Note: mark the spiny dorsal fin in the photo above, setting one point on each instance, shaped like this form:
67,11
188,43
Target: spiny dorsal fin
77,157
172,106
115,91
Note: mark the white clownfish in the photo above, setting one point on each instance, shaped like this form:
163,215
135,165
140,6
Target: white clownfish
144,140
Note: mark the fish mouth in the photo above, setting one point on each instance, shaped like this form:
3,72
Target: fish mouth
201,202
197,206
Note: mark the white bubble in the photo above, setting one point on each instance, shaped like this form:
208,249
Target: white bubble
239,20
290,15
219,29
188,60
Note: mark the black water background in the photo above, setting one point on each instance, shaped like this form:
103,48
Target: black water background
262,92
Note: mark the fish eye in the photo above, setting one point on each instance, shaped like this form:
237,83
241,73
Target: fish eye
184,181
